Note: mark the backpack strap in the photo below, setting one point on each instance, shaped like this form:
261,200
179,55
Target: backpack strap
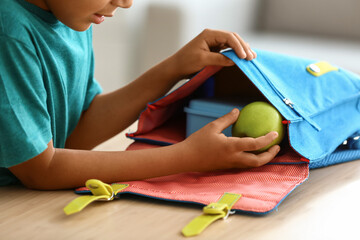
101,192
211,213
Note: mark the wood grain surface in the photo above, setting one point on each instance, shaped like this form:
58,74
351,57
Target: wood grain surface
326,206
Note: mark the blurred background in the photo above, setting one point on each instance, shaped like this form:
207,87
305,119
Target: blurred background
151,30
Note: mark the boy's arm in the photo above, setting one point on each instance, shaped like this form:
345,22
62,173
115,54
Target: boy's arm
207,149
111,113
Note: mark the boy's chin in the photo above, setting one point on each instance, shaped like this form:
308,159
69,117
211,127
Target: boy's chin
79,27
82,29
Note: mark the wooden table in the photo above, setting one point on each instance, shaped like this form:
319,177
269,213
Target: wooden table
326,206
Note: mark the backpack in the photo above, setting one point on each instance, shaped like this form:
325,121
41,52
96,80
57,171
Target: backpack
319,102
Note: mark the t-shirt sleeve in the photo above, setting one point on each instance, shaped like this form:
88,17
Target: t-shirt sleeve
25,125
93,87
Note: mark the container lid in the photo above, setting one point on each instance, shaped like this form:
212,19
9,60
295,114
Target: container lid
218,107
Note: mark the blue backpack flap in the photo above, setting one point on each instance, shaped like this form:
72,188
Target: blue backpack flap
320,105
320,102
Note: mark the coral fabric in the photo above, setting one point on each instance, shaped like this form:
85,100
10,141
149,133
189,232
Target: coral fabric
161,110
262,188
170,132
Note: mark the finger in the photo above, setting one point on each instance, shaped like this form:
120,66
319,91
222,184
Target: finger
218,59
246,47
238,47
257,160
253,144
217,38
225,121
254,53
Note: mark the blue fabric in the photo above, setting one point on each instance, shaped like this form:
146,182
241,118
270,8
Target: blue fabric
46,82
339,156
326,109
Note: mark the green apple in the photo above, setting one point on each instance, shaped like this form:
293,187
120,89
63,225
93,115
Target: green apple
257,119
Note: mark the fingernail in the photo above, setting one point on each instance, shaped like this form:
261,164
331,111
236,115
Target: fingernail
243,54
275,134
277,148
235,110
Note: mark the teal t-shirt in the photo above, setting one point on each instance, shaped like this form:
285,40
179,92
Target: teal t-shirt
46,82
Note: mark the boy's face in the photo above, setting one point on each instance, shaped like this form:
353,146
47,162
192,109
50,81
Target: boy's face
80,14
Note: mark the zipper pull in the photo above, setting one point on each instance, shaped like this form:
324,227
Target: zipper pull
288,102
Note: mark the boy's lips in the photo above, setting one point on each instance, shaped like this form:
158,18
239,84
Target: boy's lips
98,18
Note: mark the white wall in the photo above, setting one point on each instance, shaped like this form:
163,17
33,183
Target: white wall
151,30
112,45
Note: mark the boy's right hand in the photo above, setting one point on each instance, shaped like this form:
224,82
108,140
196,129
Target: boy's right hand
204,50
210,149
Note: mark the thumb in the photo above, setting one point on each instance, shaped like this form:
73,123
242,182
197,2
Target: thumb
218,59
226,120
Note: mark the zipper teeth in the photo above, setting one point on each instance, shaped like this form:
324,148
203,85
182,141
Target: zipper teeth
283,98
287,101
258,88
271,84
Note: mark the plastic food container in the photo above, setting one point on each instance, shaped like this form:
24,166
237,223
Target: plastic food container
203,111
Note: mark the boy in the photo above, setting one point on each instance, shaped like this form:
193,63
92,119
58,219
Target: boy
52,112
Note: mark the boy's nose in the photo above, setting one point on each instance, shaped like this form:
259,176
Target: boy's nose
122,3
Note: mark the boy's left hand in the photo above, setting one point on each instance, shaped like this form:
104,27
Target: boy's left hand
204,51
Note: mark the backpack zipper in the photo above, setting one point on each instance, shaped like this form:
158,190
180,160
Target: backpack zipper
288,102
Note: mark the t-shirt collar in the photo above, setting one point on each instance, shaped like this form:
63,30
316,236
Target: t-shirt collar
43,14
